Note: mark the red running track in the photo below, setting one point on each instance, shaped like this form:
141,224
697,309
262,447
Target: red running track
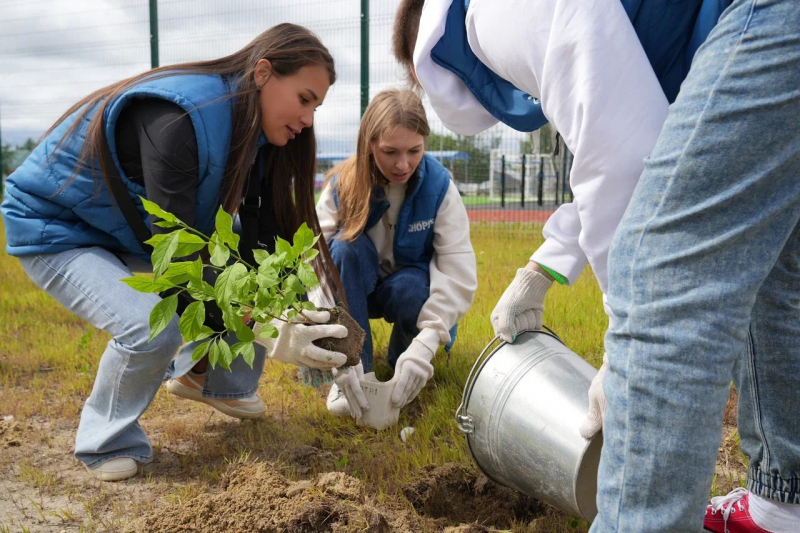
508,215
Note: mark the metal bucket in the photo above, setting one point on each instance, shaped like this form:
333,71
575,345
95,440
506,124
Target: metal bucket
521,411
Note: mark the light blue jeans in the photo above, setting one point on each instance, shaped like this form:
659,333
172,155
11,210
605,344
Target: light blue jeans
704,283
86,282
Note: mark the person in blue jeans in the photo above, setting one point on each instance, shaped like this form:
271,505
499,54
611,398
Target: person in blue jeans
399,236
704,283
186,137
604,73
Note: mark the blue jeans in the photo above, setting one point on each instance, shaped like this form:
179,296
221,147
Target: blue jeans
398,298
86,282
704,284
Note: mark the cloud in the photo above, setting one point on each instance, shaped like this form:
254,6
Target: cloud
53,53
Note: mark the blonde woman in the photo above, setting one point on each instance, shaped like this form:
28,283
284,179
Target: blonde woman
399,235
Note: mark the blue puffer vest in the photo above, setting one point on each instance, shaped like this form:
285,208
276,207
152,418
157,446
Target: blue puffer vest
42,216
413,238
670,31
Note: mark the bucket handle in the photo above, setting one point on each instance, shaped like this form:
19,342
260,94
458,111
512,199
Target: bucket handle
463,420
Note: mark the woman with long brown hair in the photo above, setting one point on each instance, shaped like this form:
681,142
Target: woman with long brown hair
189,137
399,237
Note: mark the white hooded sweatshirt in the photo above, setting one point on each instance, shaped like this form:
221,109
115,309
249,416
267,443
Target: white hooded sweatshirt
583,60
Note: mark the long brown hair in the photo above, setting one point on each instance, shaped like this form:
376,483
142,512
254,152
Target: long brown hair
359,174
404,35
288,47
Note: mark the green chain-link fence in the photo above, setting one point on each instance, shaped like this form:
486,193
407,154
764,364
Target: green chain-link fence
54,52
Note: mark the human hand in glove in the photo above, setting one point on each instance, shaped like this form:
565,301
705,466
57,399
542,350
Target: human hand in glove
348,381
294,342
411,373
597,404
521,306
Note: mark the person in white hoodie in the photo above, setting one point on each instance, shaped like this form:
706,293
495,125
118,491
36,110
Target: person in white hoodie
399,236
703,256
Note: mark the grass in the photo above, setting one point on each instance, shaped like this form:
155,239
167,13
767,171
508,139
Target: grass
49,357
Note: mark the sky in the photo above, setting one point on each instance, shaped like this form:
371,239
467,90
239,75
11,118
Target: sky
55,52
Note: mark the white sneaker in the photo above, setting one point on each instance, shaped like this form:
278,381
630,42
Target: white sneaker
115,469
188,386
337,402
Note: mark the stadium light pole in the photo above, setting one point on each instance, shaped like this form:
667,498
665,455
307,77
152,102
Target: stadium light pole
364,55
153,33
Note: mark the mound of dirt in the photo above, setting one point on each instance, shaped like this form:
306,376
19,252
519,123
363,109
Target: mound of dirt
456,494
10,432
258,498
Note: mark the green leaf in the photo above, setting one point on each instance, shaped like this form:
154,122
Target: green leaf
162,315
188,243
192,320
307,275
200,351
214,354
154,209
196,270
227,283
268,331
293,283
288,299
311,254
224,226
230,318
244,333
225,354
200,291
204,333
219,252
303,239
267,278
260,255
178,273
282,246
142,284
246,350
163,252
308,305
165,224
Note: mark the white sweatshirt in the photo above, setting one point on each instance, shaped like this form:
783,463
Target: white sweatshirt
453,275
583,60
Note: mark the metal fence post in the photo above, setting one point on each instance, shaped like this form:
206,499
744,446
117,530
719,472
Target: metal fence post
522,184
153,33
541,181
503,181
364,55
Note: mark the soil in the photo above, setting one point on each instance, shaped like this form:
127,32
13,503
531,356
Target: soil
258,498
45,488
10,433
456,494
351,345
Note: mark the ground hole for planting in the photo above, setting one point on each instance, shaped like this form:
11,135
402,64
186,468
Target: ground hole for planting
457,495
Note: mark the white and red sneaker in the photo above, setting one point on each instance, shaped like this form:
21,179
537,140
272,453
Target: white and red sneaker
731,514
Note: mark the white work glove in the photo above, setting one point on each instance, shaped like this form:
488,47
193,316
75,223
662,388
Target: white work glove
348,381
521,306
411,373
294,342
597,404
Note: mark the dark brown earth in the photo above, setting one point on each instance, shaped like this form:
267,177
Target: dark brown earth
351,345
